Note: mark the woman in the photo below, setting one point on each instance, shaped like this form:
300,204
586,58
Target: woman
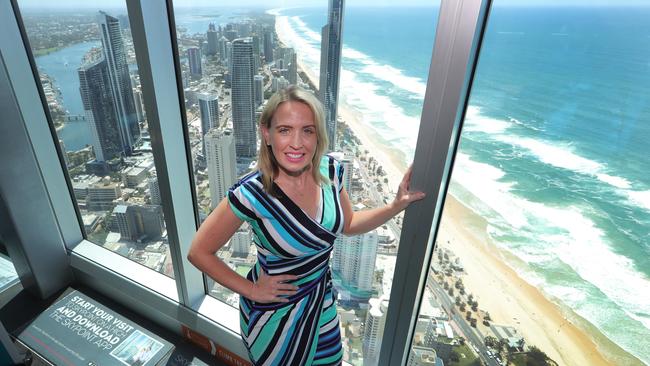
296,205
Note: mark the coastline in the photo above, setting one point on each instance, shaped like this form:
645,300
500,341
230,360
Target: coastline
511,301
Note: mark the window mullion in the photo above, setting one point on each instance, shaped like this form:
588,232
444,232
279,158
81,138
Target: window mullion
460,28
151,32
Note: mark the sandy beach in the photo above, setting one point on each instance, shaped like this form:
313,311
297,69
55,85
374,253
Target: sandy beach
498,289
509,299
512,301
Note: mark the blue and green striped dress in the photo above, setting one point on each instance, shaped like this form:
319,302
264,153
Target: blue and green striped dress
304,331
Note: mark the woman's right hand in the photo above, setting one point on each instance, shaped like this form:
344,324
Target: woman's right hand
272,288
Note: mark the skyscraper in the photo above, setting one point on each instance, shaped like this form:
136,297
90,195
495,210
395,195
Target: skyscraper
118,72
268,46
347,161
374,330
242,98
222,48
209,109
259,90
231,34
154,191
330,62
221,161
354,261
194,60
241,241
293,69
256,52
213,38
139,110
100,109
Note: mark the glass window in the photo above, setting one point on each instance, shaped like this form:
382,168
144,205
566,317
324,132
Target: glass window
371,119
89,75
8,274
227,71
232,60
542,250
385,59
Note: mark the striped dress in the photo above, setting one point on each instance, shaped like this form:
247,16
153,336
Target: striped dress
304,331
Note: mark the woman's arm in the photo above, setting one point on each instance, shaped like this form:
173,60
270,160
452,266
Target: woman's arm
363,221
213,234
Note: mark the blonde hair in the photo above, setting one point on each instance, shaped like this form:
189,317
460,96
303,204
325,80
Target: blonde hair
266,162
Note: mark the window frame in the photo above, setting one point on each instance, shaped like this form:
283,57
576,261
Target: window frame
459,33
183,300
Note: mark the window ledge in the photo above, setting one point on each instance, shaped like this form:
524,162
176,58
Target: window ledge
99,260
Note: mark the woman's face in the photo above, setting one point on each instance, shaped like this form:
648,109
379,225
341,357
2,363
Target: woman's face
292,136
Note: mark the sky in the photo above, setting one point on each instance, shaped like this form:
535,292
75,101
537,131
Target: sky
80,4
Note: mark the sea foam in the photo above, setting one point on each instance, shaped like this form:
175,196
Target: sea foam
561,233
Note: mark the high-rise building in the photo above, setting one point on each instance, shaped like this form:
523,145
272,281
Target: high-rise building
221,161
100,110
213,39
259,90
222,48
229,56
209,109
374,330
293,69
268,46
256,52
279,83
231,34
139,108
347,161
354,261
330,62
240,242
154,191
120,80
139,223
194,60
242,98
422,356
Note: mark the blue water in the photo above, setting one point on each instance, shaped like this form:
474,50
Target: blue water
554,147
62,67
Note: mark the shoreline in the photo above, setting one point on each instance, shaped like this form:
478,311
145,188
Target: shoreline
517,303
512,301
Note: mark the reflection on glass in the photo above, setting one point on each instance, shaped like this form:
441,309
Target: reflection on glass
87,66
232,60
8,274
542,253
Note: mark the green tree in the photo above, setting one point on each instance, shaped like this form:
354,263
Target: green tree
490,341
454,356
535,357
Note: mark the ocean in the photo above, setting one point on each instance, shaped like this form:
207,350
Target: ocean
553,151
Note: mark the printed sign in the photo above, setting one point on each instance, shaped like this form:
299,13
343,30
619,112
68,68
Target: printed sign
77,330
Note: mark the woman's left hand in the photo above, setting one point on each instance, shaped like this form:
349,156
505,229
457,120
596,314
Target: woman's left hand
404,197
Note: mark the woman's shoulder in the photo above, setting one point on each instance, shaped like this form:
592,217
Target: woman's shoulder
248,181
327,162
332,168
